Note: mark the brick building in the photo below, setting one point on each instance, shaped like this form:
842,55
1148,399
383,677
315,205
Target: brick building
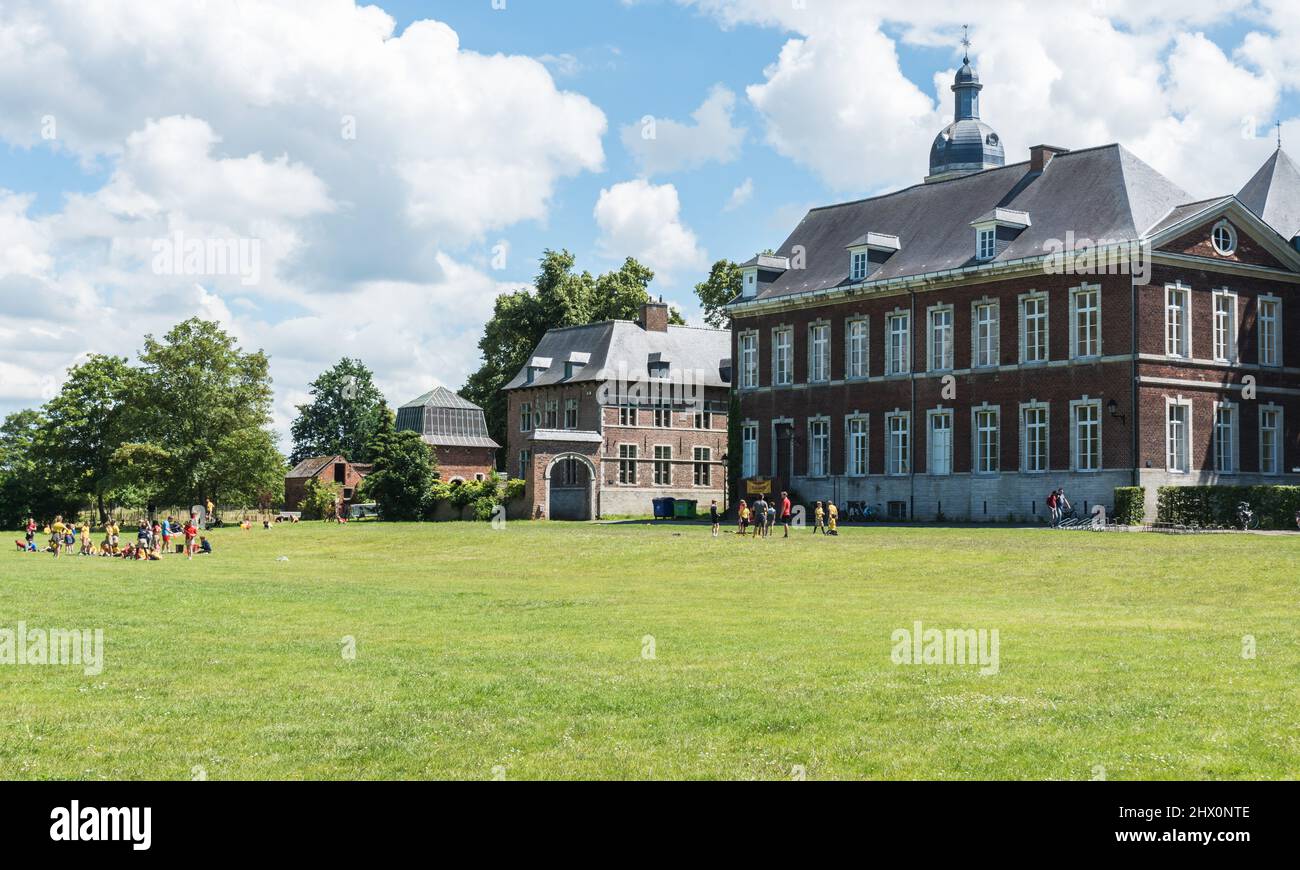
607,416
964,346
456,430
328,470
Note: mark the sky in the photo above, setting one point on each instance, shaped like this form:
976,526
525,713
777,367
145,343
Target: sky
364,180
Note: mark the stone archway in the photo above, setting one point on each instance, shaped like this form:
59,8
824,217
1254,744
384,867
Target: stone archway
564,500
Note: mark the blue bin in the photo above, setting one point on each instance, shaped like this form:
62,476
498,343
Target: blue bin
664,508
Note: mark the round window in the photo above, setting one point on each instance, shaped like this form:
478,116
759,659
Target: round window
1224,237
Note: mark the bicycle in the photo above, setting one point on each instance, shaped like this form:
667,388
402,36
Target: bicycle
1247,519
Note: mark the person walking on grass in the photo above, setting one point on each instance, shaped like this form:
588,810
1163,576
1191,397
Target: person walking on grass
785,513
1053,508
760,518
1062,503
191,532
714,519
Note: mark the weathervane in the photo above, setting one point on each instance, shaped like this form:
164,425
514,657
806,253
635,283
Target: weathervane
1279,135
965,42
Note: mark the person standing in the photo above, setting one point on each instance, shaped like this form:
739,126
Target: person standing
785,512
714,519
191,532
742,518
1062,503
819,519
1053,508
31,531
760,518
833,518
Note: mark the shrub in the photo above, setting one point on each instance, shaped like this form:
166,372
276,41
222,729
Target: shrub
515,488
484,508
1275,506
1130,505
319,501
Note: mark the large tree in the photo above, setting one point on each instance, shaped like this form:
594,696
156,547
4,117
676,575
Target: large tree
343,416
94,413
207,398
714,292
560,297
402,480
26,487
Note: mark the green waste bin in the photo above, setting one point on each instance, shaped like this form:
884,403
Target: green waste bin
684,508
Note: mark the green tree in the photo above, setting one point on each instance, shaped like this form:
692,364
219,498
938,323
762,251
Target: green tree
343,416
26,489
560,297
404,473
722,285
208,400
93,414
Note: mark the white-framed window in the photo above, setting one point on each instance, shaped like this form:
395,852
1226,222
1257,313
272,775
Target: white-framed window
986,421
627,464
985,334
783,356
939,345
627,415
1085,321
819,353
898,444
1224,238
703,419
938,454
663,417
525,416
663,465
702,467
857,442
1033,328
1225,326
1225,438
1270,439
1270,331
749,450
857,338
898,330
1034,434
525,464
986,243
570,413
1178,303
748,360
819,447
1178,435
1085,447
858,266
553,414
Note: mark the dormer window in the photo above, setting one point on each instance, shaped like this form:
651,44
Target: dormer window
1224,238
569,369
986,243
858,269
996,230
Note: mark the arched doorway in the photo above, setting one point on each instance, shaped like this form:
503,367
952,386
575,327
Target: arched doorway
570,487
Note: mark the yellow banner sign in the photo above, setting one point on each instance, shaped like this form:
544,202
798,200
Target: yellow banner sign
758,486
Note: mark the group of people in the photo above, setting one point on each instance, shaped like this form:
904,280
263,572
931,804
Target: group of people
763,516
1058,504
152,539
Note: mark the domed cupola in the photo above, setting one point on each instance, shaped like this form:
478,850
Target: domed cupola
967,144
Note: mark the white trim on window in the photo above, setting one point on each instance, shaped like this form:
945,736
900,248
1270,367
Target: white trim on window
1272,439
898,342
749,449
1086,435
1178,435
1223,237
1268,330
627,464
819,446
940,331
1227,437
898,443
938,441
747,343
819,352
1223,313
1035,347
1178,320
782,355
986,243
857,445
985,333
663,464
857,347
1035,437
525,416
1085,321
986,439
857,265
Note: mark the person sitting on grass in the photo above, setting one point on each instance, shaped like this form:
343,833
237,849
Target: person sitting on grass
126,552
204,546
833,518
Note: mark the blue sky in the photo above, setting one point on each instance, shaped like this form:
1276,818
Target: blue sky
476,126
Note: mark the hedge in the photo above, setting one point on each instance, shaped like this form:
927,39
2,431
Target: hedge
1275,506
1130,505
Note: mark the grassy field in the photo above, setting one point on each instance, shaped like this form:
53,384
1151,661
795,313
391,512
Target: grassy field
522,653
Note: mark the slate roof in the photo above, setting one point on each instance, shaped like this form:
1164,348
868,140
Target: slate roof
1273,193
445,419
1096,193
623,343
313,466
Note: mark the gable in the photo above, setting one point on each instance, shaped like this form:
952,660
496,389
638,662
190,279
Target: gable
1197,242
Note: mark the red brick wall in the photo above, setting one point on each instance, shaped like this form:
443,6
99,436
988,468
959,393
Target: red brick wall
1197,242
465,462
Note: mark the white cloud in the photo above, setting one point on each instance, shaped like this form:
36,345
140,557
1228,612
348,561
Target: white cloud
742,194
661,145
643,220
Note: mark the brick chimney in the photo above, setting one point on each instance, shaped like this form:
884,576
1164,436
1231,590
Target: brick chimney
1041,155
654,317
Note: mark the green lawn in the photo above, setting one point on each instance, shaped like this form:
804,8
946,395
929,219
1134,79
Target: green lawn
520,652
